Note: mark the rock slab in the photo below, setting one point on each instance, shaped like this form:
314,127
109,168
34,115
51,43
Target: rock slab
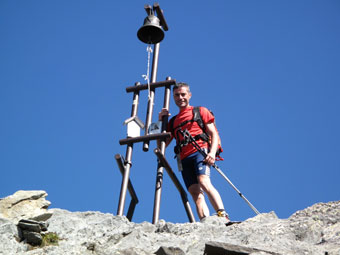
216,248
25,205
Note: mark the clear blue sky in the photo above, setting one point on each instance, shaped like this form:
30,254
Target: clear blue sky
269,70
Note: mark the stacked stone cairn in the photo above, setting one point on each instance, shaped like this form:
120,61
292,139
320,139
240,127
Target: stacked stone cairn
31,231
28,210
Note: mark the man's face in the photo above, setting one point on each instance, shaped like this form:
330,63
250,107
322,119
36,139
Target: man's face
182,97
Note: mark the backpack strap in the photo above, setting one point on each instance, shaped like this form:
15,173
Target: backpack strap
198,117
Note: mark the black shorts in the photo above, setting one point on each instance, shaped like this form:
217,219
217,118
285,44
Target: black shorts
193,166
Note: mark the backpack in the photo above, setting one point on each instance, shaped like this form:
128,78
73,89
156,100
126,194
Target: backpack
204,136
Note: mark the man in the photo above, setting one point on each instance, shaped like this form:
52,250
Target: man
196,168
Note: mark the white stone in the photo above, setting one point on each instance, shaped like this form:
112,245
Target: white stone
25,205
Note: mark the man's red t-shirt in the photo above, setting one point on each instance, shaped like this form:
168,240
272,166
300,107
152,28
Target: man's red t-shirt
193,128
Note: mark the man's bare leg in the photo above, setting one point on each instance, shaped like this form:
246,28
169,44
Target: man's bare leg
198,197
213,195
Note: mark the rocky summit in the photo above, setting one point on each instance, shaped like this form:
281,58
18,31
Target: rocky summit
27,226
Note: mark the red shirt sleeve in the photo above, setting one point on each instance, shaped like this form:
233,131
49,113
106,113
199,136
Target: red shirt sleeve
206,115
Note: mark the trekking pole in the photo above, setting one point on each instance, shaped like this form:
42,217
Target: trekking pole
188,137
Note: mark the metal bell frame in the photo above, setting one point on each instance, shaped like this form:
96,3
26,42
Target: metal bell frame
151,33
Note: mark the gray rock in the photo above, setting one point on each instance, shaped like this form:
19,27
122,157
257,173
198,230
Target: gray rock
32,227
23,224
131,251
309,225
169,251
218,221
10,240
216,248
25,205
32,238
42,216
314,230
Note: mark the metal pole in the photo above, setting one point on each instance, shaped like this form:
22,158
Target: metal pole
128,158
144,138
154,85
178,185
134,198
125,180
232,185
159,178
152,94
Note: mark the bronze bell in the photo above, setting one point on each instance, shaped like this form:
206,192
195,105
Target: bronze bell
151,32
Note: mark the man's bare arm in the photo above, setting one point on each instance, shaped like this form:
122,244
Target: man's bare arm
212,132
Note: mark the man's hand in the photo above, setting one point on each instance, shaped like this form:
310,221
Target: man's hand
209,159
162,113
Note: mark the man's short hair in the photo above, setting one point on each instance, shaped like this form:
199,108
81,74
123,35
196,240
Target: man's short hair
181,84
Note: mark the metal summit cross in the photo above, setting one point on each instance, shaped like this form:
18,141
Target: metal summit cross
150,33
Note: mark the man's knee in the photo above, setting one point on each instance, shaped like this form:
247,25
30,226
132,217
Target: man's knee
195,191
204,182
